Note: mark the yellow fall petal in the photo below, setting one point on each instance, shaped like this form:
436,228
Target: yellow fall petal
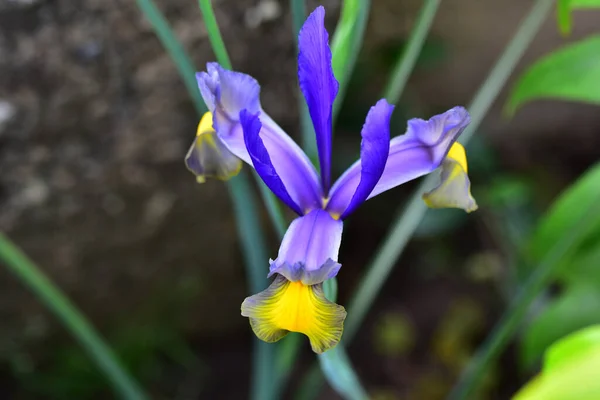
208,156
294,307
206,124
454,190
457,153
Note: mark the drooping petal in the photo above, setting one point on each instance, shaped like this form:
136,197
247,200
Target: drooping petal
208,156
374,149
261,160
295,307
418,152
226,93
454,190
318,84
310,248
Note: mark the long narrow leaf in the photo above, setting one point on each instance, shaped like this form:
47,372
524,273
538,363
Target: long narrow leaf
31,275
346,44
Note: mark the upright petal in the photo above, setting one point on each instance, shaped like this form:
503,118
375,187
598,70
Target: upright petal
418,152
261,160
374,149
309,250
208,156
454,190
318,84
293,306
226,93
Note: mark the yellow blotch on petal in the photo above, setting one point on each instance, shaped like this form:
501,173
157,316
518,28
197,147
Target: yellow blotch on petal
454,190
457,153
206,124
208,157
294,307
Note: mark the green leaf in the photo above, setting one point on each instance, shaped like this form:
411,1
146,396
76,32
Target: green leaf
583,268
578,307
569,73
571,206
564,9
571,347
571,370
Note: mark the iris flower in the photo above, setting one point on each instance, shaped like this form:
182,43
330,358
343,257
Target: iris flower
309,251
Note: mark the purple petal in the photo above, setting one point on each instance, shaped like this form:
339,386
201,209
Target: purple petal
261,160
318,84
374,150
226,93
309,250
416,153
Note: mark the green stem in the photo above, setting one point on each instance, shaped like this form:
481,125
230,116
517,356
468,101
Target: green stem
176,51
409,56
214,34
408,221
511,321
346,44
29,273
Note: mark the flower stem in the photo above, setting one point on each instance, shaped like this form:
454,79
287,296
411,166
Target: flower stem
214,34
409,56
31,275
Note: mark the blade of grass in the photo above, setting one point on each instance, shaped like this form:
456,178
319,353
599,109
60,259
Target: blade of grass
409,56
253,246
214,34
512,318
408,221
346,44
176,51
53,298
218,46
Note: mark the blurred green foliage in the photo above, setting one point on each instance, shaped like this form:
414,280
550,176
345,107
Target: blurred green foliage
564,8
578,304
569,73
570,370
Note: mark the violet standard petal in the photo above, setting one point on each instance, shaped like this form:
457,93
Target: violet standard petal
318,85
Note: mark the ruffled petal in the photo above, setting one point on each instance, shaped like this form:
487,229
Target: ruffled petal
208,157
295,307
261,160
418,152
454,190
310,248
374,150
226,93
318,84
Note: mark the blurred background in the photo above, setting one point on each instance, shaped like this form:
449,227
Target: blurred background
95,122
